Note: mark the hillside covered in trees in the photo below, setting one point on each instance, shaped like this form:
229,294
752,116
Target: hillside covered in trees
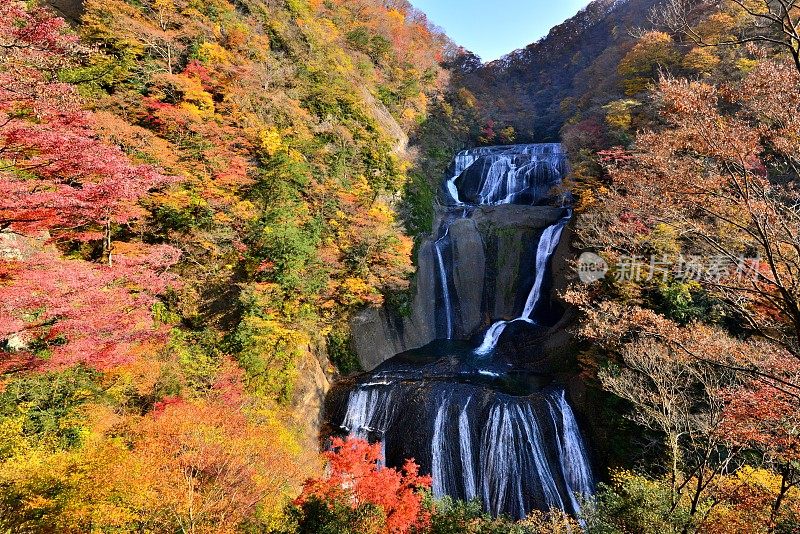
687,184
197,197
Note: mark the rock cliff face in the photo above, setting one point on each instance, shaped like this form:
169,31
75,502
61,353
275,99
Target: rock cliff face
493,254
379,334
313,382
71,10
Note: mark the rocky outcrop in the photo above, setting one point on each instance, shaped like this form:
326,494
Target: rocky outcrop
387,122
379,333
510,234
14,246
491,258
312,383
549,350
469,268
72,10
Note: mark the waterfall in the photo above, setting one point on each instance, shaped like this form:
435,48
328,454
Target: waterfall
448,307
547,246
369,410
574,459
515,451
507,171
512,455
441,452
465,445
504,438
452,458
491,338
462,161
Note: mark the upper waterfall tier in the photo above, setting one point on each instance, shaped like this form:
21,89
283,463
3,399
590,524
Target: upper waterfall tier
489,177
515,174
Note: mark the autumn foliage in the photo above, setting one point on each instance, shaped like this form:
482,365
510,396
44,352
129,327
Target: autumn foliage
193,198
357,479
60,183
196,196
707,358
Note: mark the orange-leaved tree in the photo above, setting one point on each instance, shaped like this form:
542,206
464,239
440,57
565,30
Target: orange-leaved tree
382,498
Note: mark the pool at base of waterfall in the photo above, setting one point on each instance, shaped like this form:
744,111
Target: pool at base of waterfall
485,424
455,362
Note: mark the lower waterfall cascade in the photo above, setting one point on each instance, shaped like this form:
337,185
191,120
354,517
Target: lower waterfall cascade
484,426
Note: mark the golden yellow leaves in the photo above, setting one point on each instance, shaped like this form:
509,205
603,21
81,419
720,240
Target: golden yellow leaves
618,114
356,291
701,60
271,141
640,67
214,54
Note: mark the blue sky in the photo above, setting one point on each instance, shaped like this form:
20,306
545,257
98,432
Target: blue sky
492,28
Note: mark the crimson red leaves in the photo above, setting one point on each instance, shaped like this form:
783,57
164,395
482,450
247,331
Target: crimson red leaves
59,183
356,478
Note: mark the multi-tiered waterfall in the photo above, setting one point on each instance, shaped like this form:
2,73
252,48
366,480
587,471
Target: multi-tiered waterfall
487,424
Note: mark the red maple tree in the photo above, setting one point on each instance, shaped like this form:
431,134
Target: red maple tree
356,477
60,182
71,311
56,174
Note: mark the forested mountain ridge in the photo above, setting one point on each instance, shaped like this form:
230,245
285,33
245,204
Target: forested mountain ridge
537,89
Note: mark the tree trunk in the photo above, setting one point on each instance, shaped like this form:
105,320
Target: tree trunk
107,246
672,445
786,484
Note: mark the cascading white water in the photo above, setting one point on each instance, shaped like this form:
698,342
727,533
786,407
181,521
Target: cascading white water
514,453
449,458
509,170
509,450
467,459
440,451
462,161
499,167
369,410
491,338
505,440
574,458
547,246
548,243
448,307
506,172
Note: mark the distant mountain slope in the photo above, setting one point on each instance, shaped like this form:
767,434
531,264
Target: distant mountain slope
536,89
